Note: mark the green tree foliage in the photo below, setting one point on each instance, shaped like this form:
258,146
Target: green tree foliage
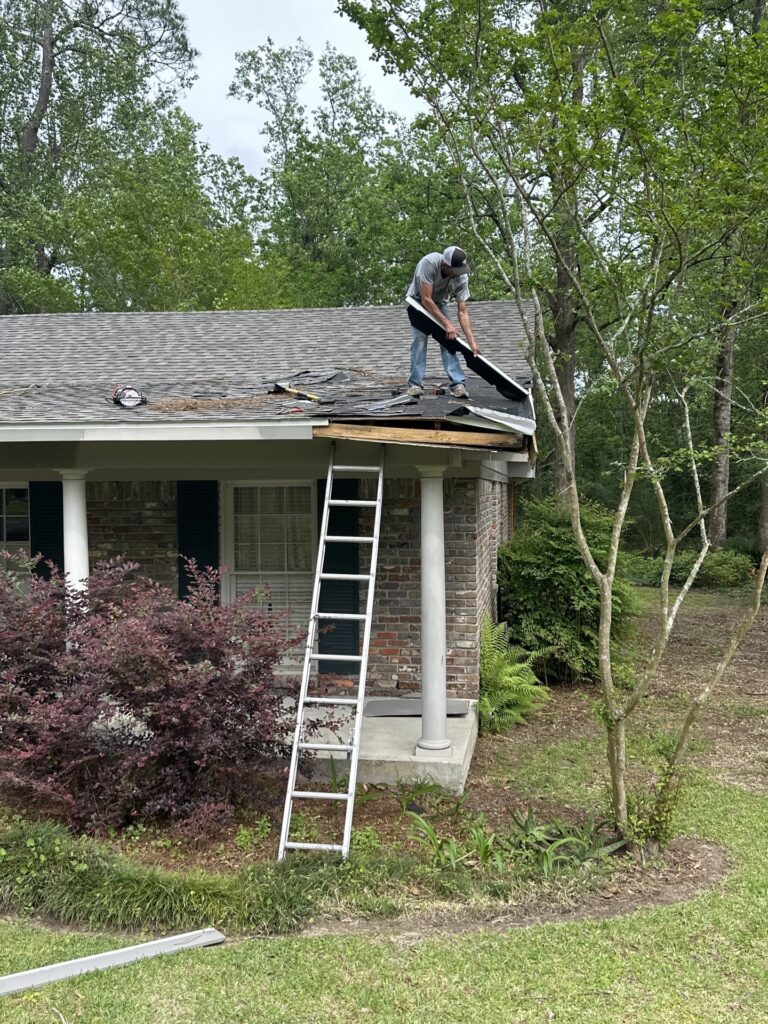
107,199
548,597
351,198
603,144
176,244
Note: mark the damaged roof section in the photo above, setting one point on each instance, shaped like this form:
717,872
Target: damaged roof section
344,370
354,397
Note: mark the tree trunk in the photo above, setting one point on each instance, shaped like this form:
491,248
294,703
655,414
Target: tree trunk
562,303
44,89
617,763
721,420
762,529
757,17
563,345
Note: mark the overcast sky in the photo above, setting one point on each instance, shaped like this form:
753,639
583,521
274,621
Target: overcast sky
218,28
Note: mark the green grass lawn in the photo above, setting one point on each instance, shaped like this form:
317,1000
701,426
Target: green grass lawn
701,961
706,960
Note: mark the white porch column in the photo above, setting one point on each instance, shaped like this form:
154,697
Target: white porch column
75,527
434,734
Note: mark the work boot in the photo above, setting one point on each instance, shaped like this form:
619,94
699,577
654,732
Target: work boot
459,391
415,391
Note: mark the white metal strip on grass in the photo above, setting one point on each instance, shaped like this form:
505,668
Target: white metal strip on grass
114,958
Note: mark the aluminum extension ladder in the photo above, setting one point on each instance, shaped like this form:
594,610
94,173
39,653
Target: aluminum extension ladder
352,746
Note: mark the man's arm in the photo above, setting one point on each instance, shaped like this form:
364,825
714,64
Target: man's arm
432,307
466,327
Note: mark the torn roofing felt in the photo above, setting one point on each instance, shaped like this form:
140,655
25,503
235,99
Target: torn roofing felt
351,396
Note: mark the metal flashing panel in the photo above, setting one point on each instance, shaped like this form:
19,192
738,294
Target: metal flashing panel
494,419
114,958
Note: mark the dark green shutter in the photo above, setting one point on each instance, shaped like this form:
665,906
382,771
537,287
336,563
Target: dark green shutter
340,595
46,523
198,523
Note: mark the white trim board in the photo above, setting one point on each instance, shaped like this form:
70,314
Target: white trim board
114,958
210,430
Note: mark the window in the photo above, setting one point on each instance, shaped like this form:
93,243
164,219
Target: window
273,545
14,517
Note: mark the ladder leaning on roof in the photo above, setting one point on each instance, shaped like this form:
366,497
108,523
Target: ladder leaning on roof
352,746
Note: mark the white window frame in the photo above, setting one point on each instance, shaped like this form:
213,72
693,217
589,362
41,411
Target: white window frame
17,545
227,532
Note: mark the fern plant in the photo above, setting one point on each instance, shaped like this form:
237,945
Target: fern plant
509,689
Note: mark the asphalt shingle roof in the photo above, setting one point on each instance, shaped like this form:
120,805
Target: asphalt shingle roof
63,367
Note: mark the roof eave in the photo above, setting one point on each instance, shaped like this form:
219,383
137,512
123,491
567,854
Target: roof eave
195,430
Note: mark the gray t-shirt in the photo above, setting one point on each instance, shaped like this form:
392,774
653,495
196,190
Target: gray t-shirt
443,288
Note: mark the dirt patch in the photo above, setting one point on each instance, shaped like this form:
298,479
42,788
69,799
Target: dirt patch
688,867
733,727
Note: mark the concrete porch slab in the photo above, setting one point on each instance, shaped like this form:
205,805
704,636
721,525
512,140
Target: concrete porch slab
387,750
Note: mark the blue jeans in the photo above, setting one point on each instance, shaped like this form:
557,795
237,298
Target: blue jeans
451,360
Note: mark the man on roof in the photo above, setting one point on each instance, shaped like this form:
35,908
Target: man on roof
438,277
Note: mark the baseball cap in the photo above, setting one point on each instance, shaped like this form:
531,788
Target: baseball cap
456,259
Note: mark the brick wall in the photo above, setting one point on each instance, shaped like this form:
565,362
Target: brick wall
136,519
476,521
493,516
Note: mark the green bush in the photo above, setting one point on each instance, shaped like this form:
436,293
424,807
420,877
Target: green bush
641,570
722,570
548,597
509,689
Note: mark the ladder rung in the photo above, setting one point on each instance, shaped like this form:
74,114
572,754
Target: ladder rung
308,794
358,662
339,539
357,502
343,748
336,657
328,701
313,846
345,576
345,616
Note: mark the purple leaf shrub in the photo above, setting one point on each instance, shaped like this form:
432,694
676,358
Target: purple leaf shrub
125,703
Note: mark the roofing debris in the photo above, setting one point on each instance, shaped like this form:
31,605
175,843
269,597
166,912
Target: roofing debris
344,395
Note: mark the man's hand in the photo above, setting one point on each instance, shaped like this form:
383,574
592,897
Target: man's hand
474,346
450,332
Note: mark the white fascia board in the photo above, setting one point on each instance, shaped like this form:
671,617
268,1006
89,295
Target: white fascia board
522,457
209,430
519,472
